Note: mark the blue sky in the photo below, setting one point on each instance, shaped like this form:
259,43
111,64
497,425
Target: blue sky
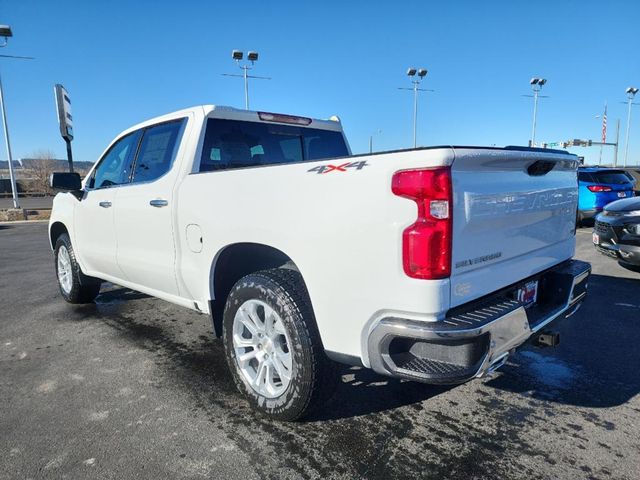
123,62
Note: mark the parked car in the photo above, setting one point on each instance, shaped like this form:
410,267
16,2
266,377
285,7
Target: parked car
598,187
634,174
429,264
617,232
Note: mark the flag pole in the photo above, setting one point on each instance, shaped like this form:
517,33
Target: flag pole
604,131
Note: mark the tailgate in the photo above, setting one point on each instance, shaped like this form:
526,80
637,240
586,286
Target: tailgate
514,215
617,192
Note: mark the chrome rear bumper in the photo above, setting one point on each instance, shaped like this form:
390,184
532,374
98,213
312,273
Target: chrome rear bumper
475,339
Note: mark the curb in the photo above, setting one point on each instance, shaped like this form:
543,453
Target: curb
22,222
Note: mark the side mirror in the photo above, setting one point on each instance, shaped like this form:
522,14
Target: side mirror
68,181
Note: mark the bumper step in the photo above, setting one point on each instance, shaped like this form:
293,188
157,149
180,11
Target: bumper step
472,339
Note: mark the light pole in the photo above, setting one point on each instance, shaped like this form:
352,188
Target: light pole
377,132
631,92
237,55
615,148
411,72
5,33
536,85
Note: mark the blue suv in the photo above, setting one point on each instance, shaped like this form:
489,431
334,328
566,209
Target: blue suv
598,187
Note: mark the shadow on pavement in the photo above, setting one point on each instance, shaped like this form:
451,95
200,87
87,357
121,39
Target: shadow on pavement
362,392
201,363
596,364
598,361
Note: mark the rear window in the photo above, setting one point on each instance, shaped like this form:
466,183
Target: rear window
611,177
585,177
236,144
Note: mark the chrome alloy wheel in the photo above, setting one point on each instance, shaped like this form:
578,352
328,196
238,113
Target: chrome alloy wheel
262,348
65,273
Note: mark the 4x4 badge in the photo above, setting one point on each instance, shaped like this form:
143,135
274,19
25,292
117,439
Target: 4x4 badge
339,168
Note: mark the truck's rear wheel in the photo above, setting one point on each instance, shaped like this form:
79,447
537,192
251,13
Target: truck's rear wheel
75,286
273,347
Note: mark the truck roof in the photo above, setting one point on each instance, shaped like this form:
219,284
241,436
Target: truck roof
231,113
333,124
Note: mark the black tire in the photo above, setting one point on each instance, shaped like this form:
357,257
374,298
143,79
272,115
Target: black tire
629,266
83,289
313,375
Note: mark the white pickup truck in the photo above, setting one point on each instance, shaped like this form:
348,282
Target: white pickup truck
430,264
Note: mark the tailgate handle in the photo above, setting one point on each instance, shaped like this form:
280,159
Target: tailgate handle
540,167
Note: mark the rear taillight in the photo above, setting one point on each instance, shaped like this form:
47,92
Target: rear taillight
598,188
426,245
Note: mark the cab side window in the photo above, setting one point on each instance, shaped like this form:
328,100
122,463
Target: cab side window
157,150
115,167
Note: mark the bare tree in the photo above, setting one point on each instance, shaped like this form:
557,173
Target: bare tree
41,166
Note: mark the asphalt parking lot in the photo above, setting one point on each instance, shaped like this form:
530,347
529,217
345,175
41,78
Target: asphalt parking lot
134,387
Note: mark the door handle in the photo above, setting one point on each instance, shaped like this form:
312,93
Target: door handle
105,204
158,203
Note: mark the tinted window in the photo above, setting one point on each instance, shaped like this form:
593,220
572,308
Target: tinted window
157,150
114,168
235,144
584,177
611,177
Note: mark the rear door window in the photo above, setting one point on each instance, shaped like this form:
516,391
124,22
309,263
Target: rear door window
235,144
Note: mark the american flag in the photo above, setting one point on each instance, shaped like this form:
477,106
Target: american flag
604,125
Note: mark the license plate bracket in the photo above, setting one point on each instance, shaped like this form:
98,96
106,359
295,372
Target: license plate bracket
596,239
527,294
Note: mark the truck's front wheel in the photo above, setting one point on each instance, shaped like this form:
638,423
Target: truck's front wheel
75,286
273,347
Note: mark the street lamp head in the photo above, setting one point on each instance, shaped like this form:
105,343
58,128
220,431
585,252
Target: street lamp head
236,55
542,81
252,56
411,71
422,72
5,31
631,91
534,81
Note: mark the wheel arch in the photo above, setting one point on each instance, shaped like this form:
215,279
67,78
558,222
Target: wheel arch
233,262
55,230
